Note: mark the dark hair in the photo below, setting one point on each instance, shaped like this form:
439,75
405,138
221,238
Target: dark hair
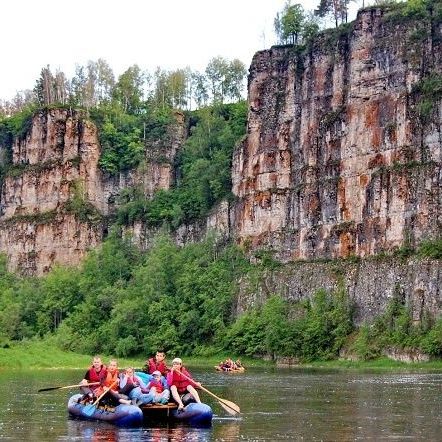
161,351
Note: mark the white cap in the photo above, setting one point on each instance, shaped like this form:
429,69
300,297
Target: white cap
177,360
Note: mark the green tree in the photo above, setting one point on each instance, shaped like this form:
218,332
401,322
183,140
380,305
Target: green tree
78,92
216,73
105,81
200,89
235,80
60,294
44,88
128,90
292,22
225,79
178,85
338,9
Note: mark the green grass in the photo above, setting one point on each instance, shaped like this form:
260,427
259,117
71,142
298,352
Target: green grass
382,364
44,355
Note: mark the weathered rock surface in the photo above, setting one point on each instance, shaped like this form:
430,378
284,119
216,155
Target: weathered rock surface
370,283
56,162
336,161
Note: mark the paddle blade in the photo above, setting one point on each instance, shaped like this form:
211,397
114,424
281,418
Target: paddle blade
89,410
48,389
230,407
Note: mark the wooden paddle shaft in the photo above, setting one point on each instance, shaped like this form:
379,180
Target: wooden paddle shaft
68,386
212,394
102,394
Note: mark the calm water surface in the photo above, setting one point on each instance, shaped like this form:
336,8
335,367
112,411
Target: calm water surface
276,405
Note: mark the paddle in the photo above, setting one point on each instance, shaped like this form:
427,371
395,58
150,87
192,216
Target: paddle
229,406
67,386
90,409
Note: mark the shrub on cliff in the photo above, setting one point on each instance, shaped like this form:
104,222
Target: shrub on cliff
203,170
123,136
432,342
15,126
317,330
395,328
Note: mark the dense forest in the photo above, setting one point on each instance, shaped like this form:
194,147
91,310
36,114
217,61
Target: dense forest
182,298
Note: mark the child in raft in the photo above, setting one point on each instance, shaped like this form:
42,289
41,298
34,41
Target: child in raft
158,389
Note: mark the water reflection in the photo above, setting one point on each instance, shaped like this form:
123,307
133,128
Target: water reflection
275,404
97,431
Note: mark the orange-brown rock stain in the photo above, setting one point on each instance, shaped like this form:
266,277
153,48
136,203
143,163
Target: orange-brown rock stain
263,199
372,123
345,214
346,245
376,161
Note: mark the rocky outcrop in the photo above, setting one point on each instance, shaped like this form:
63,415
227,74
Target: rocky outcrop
56,164
156,172
342,158
58,157
337,160
371,284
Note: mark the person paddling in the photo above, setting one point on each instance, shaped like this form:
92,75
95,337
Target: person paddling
97,372
110,386
182,386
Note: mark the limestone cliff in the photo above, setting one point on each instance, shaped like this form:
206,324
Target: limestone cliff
337,160
55,199
342,157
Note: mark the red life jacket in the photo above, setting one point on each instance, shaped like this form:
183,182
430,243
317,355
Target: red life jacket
181,382
157,384
157,366
93,376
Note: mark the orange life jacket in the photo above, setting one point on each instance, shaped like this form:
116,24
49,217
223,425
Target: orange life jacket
108,381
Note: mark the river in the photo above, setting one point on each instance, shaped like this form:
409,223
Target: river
276,404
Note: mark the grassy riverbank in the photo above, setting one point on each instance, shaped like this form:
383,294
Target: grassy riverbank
45,355
381,364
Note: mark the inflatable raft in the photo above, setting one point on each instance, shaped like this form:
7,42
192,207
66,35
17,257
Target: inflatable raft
193,414
122,415
230,370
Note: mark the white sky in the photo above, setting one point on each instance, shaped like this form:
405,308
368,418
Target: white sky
167,33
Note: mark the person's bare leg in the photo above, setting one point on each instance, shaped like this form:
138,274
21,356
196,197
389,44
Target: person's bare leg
194,393
177,397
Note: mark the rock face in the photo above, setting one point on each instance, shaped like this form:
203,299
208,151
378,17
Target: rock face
342,157
157,172
58,155
337,161
55,164
371,285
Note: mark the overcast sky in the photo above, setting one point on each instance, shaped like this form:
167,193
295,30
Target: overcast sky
167,33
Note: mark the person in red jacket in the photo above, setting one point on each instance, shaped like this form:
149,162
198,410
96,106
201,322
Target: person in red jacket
158,388
97,372
157,363
180,382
